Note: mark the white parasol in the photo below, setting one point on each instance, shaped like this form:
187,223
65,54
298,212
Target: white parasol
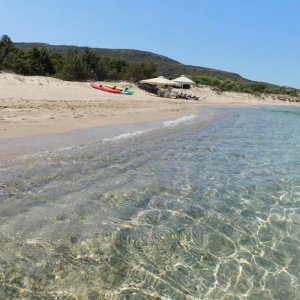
184,80
160,80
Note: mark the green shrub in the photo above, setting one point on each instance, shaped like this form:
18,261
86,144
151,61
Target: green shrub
90,66
255,88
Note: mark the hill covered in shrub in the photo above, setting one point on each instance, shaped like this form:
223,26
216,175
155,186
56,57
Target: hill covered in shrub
71,65
83,63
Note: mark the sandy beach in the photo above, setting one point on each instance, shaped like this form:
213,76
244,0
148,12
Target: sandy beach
169,209
34,106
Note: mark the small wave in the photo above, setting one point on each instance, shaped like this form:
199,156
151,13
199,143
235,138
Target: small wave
126,135
179,121
171,123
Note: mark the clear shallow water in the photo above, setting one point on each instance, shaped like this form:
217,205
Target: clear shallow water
184,212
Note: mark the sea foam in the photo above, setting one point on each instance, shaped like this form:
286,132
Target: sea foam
170,123
127,135
179,121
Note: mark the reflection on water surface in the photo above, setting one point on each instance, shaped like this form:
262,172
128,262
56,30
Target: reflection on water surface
186,212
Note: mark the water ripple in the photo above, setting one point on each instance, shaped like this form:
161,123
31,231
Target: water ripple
184,212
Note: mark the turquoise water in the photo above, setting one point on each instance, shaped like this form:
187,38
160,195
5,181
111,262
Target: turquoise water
193,211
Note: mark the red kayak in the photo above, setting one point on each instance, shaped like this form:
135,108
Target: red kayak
105,89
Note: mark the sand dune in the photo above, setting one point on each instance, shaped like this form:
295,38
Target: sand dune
35,105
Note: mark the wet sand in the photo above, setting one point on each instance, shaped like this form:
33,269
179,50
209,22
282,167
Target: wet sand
41,113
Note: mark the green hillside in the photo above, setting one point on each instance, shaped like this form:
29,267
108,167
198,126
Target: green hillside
221,80
84,63
166,66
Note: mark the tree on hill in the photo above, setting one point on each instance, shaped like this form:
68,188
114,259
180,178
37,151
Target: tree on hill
35,61
139,71
94,67
72,69
6,46
117,67
40,61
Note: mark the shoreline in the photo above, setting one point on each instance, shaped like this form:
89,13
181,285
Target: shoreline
68,124
41,113
35,105
25,146
13,148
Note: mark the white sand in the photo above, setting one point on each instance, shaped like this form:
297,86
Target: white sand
35,105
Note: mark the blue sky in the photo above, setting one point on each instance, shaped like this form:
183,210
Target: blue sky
259,39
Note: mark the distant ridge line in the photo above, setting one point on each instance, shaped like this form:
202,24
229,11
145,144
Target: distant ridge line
166,65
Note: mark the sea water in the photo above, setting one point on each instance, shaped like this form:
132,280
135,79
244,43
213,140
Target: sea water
206,207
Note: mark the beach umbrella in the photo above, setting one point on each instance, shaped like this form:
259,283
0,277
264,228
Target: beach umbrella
160,80
184,80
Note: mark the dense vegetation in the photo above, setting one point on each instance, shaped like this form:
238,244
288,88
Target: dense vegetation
81,63
87,65
166,66
252,88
